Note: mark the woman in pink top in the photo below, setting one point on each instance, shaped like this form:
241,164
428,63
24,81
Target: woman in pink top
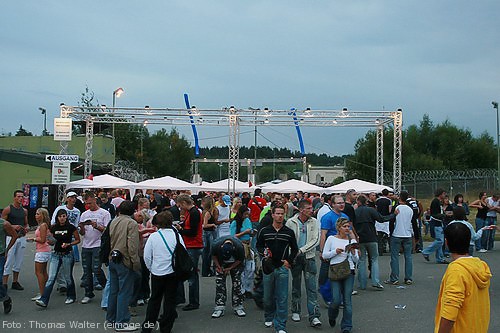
42,254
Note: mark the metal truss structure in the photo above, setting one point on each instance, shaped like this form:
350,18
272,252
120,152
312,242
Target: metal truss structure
234,118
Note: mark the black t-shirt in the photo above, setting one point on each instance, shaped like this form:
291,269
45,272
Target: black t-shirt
383,205
349,211
62,234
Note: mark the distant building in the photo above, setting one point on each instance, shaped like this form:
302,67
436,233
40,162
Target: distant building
325,175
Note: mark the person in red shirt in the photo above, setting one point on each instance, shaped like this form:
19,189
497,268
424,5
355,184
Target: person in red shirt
256,205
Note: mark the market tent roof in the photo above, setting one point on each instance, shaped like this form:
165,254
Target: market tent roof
166,183
360,186
272,182
224,185
102,181
108,181
292,186
82,183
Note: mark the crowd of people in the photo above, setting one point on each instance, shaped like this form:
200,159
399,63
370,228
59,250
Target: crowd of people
258,241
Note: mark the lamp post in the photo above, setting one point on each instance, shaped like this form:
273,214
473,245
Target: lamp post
44,112
495,106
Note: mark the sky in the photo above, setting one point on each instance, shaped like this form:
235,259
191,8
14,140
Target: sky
440,58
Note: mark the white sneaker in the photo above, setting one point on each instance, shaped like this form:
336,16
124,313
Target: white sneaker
36,298
268,324
69,301
354,292
240,313
295,316
140,302
85,300
126,327
281,331
217,314
315,322
482,251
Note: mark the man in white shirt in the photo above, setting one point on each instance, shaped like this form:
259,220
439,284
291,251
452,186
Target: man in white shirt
491,219
223,221
402,236
92,224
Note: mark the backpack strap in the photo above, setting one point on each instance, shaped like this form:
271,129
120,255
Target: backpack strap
164,241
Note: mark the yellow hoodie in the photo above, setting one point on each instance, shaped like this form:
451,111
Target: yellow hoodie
464,296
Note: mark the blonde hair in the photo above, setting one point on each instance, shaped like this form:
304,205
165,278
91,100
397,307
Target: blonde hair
45,215
340,222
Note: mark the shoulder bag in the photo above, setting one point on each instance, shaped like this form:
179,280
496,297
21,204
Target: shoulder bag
181,261
340,271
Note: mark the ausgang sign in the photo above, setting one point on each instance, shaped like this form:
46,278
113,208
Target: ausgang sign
61,158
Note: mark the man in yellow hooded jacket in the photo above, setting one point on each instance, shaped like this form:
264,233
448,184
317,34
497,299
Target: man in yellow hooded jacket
464,301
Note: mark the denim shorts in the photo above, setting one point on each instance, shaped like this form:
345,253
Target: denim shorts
42,257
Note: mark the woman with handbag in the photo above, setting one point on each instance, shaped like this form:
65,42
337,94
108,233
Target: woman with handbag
342,251
158,259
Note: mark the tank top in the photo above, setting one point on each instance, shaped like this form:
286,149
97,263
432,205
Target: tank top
16,216
211,220
45,247
481,212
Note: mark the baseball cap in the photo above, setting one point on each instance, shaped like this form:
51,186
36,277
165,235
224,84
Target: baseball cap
71,194
226,199
226,250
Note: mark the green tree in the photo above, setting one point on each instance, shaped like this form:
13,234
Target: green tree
168,154
22,132
425,147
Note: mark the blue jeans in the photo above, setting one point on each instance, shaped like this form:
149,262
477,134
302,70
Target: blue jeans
63,263
206,259
3,290
342,290
276,297
309,270
437,245
92,264
105,294
407,244
193,281
324,282
372,250
481,242
489,235
121,288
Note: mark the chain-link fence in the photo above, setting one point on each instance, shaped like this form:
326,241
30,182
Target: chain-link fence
422,184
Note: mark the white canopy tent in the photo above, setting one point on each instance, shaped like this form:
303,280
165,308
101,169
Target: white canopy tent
165,183
224,185
292,186
102,181
360,186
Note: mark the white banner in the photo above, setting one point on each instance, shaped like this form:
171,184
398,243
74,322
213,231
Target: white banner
61,172
62,129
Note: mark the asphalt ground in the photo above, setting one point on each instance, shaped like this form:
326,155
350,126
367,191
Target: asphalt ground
373,311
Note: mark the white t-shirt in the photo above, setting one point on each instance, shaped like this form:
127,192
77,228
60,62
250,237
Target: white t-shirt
491,202
73,215
117,201
223,229
92,237
403,226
